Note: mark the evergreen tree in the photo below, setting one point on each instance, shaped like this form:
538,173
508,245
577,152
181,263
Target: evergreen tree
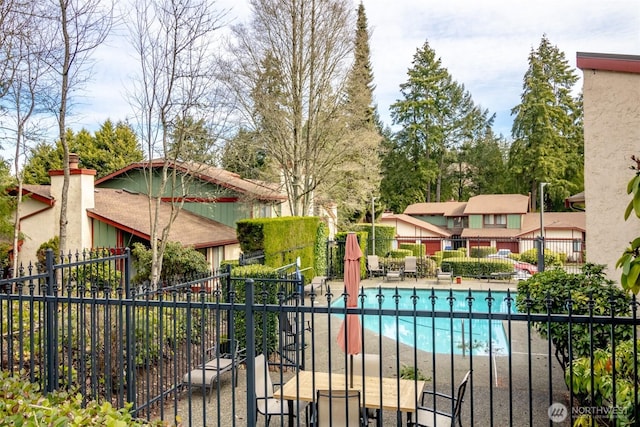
109,149
547,129
437,116
357,178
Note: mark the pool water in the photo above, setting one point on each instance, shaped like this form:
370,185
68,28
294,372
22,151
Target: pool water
439,335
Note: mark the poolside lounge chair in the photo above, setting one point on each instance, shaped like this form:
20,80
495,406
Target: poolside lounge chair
427,417
373,266
411,266
338,408
204,376
444,275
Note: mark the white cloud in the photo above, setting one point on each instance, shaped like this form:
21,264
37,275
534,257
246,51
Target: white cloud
483,44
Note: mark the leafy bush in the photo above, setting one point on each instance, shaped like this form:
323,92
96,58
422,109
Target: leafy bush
178,263
482,251
589,292
399,253
54,245
22,404
551,259
475,267
601,369
412,373
265,292
417,249
320,251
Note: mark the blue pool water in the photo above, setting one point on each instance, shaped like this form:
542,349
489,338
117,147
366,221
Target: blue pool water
437,334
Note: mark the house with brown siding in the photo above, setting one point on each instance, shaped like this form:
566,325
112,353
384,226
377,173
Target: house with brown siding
499,220
114,211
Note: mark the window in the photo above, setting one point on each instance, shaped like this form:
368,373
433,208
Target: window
495,221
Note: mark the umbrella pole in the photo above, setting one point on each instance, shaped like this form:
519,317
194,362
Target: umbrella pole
351,370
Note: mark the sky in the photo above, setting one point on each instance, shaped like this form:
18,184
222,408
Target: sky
483,44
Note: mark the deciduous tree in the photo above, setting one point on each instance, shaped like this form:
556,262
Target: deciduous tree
75,29
176,85
288,73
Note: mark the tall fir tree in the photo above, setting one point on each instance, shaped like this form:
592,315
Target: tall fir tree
357,178
437,116
547,129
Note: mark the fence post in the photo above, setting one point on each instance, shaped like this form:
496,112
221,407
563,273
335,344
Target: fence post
130,328
251,353
51,380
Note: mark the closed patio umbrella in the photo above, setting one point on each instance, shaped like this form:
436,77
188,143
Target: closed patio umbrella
350,333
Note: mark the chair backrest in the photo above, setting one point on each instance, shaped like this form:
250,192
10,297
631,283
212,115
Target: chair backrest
373,262
264,386
370,362
461,389
410,263
338,408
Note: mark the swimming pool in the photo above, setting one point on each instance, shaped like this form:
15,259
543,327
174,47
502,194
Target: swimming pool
432,334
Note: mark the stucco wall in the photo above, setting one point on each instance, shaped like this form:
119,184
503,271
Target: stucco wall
612,135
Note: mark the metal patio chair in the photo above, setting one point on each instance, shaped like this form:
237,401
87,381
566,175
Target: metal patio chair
428,417
338,408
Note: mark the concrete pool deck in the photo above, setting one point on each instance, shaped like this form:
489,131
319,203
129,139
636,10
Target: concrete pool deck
501,387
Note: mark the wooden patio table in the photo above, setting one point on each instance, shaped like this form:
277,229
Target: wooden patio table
397,394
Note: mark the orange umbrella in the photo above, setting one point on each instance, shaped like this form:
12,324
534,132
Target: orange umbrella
350,334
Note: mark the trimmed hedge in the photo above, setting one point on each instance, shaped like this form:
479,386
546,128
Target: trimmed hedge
482,251
475,267
281,239
265,292
384,237
417,249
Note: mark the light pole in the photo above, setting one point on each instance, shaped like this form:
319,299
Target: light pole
373,226
542,185
542,245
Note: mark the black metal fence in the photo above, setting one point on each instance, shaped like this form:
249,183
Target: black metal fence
490,254
80,326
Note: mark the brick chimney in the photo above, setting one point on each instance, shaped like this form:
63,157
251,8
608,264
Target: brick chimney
73,161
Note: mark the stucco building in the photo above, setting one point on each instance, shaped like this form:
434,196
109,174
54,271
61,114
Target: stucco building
611,135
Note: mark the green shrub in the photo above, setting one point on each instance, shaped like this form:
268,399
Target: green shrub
178,263
551,289
399,253
417,249
320,251
551,259
600,373
265,292
23,404
412,373
475,267
482,251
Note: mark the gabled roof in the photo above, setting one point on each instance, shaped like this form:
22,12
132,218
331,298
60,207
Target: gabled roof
389,217
252,188
554,220
497,204
129,212
41,193
436,208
